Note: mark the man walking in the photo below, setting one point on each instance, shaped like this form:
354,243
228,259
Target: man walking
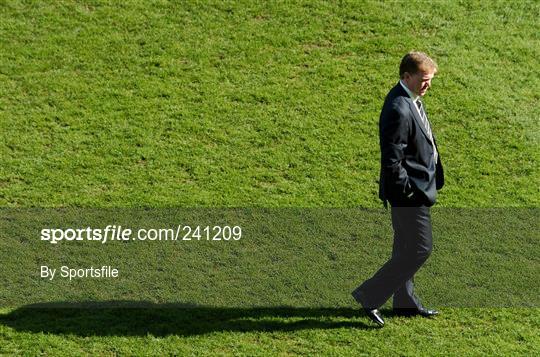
411,174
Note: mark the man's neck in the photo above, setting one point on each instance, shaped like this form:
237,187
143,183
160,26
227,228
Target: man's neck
413,96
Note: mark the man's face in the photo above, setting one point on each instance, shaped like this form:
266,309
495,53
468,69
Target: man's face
419,82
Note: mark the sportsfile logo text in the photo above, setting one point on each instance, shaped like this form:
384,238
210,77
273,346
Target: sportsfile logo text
119,233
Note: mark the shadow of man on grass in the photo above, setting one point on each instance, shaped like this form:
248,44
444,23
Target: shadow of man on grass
132,318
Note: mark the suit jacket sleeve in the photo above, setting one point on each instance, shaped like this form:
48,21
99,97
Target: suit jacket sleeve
394,134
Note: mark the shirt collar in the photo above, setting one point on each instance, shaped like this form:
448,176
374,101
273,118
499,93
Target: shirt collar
413,96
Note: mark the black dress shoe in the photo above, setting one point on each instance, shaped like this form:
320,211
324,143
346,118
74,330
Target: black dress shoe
375,316
415,312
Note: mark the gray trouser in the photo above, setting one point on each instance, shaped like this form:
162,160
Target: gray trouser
413,244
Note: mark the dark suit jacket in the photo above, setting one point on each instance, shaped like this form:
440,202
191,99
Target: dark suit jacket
409,174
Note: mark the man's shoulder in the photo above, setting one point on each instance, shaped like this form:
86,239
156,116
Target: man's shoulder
397,98
397,94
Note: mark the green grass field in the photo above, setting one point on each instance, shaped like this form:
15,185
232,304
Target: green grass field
266,105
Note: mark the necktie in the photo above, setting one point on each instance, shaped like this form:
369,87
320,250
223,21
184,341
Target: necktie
425,121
